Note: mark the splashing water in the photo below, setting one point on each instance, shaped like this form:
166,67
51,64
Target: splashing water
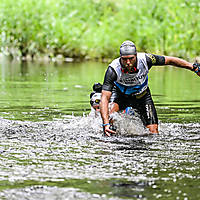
129,125
53,152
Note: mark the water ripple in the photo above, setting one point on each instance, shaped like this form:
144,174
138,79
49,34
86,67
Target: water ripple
75,148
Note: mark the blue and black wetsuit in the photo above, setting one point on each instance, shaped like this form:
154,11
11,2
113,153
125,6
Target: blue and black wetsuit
132,88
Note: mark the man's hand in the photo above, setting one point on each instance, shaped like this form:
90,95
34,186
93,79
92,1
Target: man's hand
108,131
196,68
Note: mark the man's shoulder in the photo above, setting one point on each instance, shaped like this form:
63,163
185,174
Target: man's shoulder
115,63
141,55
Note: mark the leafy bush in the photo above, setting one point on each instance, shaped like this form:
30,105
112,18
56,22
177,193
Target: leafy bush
95,28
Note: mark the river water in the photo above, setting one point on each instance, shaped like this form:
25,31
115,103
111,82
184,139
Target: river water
51,148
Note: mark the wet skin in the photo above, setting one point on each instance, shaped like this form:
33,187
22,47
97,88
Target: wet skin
129,61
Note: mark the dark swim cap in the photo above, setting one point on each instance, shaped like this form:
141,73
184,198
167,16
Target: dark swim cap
127,48
97,87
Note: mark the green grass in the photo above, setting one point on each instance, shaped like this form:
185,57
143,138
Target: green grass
95,28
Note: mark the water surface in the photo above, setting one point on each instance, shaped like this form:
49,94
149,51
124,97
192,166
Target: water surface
52,149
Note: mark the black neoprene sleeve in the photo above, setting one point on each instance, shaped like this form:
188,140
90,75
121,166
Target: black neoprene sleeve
109,79
153,59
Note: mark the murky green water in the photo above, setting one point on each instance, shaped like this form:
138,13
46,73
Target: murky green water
51,149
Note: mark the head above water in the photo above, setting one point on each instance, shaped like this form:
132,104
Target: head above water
128,54
95,99
95,96
127,48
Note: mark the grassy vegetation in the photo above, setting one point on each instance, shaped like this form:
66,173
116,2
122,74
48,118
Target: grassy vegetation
96,28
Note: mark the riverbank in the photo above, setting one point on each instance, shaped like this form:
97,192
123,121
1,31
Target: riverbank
93,30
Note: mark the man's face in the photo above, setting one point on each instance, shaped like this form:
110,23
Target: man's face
129,61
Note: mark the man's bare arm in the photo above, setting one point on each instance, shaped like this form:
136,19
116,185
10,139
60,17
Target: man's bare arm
178,62
105,97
